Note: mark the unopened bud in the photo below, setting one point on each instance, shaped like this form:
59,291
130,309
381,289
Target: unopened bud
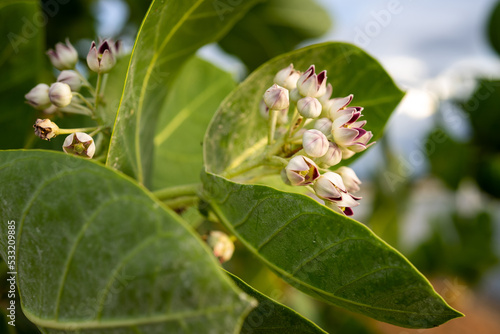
309,107
60,94
64,57
350,178
332,156
70,78
324,125
38,97
46,129
287,77
315,143
80,144
221,245
276,97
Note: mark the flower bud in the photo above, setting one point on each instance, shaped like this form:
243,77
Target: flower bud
350,179
332,157
287,77
301,171
38,97
71,78
80,144
46,129
276,98
101,59
324,125
329,186
60,94
221,245
315,143
64,57
310,84
309,107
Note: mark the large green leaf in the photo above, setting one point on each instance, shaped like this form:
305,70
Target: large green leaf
494,27
275,27
21,54
98,254
170,33
272,317
329,256
325,254
188,109
238,132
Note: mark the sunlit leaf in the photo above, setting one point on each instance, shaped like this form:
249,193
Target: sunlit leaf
171,32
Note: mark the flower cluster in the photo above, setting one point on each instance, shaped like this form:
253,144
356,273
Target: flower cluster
64,95
323,131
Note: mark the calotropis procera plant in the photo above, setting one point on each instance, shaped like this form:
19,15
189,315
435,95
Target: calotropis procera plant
109,244
63,96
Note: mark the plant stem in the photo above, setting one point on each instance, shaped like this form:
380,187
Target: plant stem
178,191
77,109
68,131
81,97
273,116
98,89
86,83
182,202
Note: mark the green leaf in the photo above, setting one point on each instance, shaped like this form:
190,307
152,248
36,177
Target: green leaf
275,27
21,43
190,105
272,317
238,132
329,256
170,33
494,28
97,253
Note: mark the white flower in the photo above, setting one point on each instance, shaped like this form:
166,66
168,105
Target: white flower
80,144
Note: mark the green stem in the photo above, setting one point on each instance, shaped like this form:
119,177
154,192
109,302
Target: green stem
68,131
273,116
182,202
243,168
77,109
84,100
98,89
178,191
85,82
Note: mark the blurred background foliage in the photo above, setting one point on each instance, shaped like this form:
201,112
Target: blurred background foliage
458,253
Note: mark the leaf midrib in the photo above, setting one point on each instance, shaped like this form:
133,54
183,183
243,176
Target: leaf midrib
74,325
284,273
184,18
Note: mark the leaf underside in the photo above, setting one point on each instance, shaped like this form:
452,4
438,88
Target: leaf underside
97,254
